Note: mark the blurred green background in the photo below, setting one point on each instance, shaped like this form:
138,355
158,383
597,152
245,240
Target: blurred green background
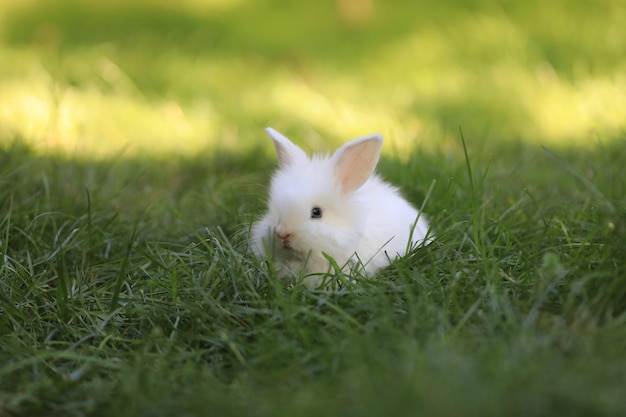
100,78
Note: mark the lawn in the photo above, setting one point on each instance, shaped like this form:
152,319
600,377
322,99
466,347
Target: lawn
133,162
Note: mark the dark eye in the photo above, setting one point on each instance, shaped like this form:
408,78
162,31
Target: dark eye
316,213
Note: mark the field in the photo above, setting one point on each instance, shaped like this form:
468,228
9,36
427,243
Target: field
133,162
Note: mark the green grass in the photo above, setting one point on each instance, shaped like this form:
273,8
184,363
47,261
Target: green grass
132,163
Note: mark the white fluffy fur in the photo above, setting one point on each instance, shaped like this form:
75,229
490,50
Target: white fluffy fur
372,224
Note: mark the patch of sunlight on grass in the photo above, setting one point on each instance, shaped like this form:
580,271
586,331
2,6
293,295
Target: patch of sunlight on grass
333,106
90,122
513,91
348,114
564,111
482,71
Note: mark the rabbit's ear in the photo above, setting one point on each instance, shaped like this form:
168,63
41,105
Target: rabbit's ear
355,161
286,151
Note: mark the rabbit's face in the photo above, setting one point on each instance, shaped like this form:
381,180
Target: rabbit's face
309,216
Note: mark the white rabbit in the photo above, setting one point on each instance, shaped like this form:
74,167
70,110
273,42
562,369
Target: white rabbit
334,205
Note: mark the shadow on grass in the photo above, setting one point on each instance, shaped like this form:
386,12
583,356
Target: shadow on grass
168,196
526,202
112,301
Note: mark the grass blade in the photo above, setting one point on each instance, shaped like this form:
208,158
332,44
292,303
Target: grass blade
119,280
580,177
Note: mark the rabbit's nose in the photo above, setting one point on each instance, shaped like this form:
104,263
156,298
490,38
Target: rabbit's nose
284,236
281,231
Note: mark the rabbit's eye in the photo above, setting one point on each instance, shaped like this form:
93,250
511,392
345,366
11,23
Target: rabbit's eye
316,213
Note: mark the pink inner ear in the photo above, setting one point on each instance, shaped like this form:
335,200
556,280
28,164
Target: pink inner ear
356,162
